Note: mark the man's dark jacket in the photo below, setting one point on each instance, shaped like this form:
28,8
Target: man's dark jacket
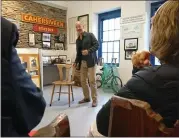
159,86
22,103
90,43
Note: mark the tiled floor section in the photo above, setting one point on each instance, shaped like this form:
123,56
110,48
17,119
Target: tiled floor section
80,116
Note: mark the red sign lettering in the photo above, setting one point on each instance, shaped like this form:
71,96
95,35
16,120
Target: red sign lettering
45,29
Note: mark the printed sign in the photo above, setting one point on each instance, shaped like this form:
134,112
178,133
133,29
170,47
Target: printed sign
44,29
133,19
42,20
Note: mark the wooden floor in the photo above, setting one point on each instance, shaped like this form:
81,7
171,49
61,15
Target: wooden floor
80,116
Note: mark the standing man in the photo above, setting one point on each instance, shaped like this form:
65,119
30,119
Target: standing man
86,46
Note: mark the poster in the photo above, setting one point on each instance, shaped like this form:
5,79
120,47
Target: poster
32,39
132,31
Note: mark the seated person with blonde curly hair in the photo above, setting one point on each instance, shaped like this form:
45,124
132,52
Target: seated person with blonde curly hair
157,85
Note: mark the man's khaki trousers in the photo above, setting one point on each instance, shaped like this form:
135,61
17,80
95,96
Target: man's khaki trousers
91,72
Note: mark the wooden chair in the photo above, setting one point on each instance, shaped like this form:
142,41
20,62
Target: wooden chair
59,127
63,82
134,118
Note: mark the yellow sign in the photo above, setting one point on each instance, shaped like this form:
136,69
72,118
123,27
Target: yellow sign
42,20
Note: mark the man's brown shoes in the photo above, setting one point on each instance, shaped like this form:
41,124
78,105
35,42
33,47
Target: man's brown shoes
94,103
84,101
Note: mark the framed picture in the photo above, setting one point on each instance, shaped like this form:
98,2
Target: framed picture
59,46
31,39
46,45
131,44
128,54
46,37
33,62
84,19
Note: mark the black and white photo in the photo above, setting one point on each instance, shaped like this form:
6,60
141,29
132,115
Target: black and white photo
33,62
128,54
59,46
46,37
131,44
46,45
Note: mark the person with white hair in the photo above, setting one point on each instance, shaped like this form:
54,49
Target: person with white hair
86,60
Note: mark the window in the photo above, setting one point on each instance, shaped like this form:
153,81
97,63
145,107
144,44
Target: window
109,36
154,8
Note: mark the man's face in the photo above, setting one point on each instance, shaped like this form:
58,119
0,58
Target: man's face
79,28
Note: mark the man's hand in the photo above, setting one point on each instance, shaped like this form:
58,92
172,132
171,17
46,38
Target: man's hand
85,52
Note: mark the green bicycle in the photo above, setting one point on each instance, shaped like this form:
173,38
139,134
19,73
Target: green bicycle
102,79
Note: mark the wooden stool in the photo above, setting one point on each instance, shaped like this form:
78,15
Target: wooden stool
67,82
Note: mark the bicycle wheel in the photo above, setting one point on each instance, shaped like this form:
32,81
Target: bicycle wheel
99,80
116,84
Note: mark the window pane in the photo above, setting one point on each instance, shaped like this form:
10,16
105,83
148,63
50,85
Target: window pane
110,46
110,56
111,24
104,47
116,46
157,61
105,36
104,56
105,25
117,34
116,55
111,35
117,23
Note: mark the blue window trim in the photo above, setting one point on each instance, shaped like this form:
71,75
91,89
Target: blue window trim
154,7
101,18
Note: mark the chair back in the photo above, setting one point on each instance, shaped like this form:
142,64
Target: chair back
64,69
134,118
59,127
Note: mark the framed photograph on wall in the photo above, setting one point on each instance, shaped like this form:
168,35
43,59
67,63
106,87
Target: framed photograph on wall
46,45
131,44
59,46
46,37
84,19
128,54
33,62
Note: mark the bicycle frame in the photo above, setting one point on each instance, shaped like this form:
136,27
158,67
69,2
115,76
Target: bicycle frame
109,77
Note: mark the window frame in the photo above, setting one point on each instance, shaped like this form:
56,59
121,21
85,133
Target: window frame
154,7
101,18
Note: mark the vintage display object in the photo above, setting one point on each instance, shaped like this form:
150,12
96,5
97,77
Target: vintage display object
31,64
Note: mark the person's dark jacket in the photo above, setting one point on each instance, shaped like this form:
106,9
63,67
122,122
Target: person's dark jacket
90,43
159,86
22,103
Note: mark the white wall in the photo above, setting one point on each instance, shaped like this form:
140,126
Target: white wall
128,8
57,4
